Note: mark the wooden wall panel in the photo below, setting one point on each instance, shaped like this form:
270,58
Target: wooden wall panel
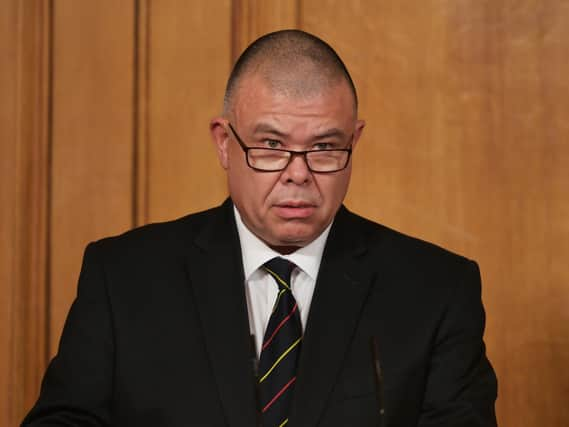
8,196
253,18
92,154
8,156
188,60
467,145
24,85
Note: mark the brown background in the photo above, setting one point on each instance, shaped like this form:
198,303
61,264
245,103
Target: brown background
104,110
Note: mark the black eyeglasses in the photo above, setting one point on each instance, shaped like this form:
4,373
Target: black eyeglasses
276,159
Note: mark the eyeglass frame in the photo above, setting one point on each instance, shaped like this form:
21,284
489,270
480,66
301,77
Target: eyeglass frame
293,153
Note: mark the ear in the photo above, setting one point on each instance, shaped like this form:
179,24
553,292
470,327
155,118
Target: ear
360,124
220,139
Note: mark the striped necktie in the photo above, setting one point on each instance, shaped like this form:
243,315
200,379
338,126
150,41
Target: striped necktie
281,348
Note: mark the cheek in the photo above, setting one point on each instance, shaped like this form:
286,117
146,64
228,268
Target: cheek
250,189
333,189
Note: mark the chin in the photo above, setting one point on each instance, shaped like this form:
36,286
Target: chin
297,239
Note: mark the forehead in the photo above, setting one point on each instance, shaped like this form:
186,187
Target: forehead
260,99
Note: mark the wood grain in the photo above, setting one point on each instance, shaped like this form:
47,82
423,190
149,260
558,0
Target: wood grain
141,106
24,185
8,212
92,153
467,145
188,64
253,18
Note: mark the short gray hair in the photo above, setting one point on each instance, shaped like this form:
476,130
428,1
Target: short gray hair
291,60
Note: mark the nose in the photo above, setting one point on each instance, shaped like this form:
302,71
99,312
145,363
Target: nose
297,171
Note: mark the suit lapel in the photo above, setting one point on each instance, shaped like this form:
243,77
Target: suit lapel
216,275
341,290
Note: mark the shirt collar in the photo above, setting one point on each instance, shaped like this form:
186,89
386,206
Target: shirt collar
255,252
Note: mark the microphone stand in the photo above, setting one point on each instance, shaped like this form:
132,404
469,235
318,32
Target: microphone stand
378,376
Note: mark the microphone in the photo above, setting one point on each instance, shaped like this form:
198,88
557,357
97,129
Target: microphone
255,370
378,376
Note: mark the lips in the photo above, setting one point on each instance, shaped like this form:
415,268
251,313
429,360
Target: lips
294,209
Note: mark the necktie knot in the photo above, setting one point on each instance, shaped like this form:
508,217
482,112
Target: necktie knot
281,270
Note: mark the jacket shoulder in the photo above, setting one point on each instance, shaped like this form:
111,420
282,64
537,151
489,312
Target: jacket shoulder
402,247
156,239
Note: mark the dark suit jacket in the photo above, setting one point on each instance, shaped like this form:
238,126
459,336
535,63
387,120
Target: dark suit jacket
158,334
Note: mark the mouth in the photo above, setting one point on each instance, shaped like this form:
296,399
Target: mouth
294,209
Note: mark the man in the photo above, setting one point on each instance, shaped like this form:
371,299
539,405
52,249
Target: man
159,334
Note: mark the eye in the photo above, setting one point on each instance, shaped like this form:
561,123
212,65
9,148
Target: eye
272,143
323,146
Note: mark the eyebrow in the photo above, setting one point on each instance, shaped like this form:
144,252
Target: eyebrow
329,133
267,128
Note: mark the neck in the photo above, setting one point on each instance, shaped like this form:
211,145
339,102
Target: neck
285,250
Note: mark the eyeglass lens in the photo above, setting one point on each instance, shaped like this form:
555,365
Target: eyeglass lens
318,161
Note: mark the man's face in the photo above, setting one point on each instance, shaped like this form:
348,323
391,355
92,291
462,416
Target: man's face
289,208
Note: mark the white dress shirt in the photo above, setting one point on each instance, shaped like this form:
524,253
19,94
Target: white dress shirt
261,289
